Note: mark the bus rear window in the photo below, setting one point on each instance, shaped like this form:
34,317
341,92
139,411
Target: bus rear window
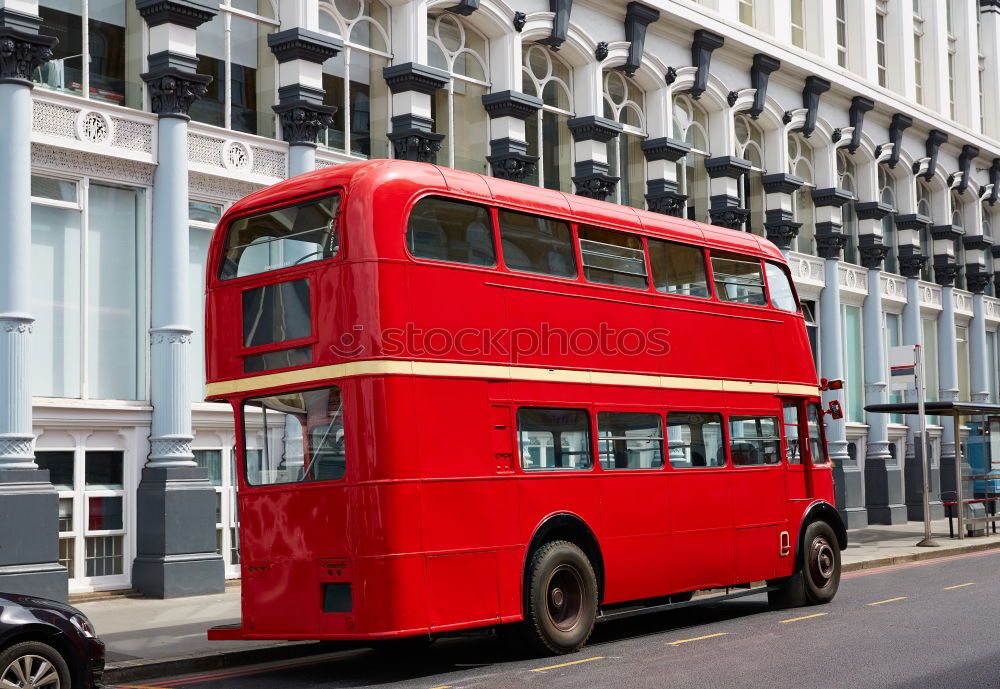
276,313
294,437
284,237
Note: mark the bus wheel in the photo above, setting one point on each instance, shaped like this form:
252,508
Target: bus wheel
562,599
818,578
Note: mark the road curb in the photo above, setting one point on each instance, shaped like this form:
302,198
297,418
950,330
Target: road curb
928,554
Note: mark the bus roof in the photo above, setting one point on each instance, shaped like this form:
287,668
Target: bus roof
406,177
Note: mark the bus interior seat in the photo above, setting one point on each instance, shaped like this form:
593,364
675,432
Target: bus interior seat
697,455
744,454
479,239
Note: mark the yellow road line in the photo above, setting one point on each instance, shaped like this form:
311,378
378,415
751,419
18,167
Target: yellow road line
443,686
574,662
887,600
958,586
806,617
697,638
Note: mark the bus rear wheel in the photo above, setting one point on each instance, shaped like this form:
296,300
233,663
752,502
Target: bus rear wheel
562,599
818,577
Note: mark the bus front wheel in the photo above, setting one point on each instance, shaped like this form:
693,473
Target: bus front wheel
562,599
818,576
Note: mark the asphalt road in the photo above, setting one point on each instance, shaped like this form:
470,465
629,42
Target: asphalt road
927,625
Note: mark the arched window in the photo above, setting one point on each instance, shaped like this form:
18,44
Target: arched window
800,164
847,175
233,50
624,102
750,146
958,220
546,77
691,126
353,82
924,209
988,255
457,109
887,195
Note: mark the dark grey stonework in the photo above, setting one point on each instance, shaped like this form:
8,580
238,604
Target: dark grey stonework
594,128
964,164
411,76
781,183
760,72
301,121
561,10
29,535
781,227
662,197
977,242
811,92
172,559
509,159
899,124
911,261
173,84
859,106
189,13
511,104
914,486
945,270
637,18
950,232
726,166
593,181
884,492
872,250
831,196
976,279
302,44
22,50
848,487
830,239
664,148
464,7
413,138
704,43
932,146
872,210
912,221
725,211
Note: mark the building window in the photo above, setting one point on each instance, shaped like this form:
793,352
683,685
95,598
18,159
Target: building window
548,78
952,21
962,355
853,364
918,50
988,255
222,476
798,23
457,109
89,338
352,80
747,12
800,164
750,146
202,218
887,195
847,175
100,52
691,126
924,209
929,326
233,50
991,364
881,11
625,103
841,8
958,220
893,338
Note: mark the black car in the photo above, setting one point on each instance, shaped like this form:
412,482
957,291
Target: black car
48,645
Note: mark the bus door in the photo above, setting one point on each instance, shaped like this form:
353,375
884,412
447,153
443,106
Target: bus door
819,471
795,437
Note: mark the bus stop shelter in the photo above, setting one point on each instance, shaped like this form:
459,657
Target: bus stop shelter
958,410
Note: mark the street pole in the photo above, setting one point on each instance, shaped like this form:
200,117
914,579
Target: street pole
928,540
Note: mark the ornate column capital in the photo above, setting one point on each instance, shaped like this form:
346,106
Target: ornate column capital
911,262
509,159
173,84
301,121
781,228
22,50
830,245
873,251
593,181
725,211
977,280
413,138
662,197
945,271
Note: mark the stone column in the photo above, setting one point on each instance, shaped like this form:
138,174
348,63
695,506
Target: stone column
29,506
779,218
591,135
508,156
976,279
990,45
883,472
412,84
175,539
724,209
301,54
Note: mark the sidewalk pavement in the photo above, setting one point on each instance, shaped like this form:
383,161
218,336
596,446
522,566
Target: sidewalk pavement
149,638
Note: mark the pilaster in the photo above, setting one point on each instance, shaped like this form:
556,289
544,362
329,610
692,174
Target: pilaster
780,225
412,134
662,155
590,136
509,157
724,208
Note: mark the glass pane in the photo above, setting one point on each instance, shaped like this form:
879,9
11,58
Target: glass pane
56,294
104,556
104,513
200,211
817,448
116,292
197,263
55,189
793,442
628,440
782,296
212,461
60,466
854,364
284,237
107,38
285,358
557,152
450,231
65,514
535,244
471,127
677,268
67,546
554,439
738,280
64,20
276,313
369,102
103,469
695,440
753,440
303,437
612,258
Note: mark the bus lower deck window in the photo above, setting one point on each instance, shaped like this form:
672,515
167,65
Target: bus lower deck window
753,440
694,439
629,440
554,439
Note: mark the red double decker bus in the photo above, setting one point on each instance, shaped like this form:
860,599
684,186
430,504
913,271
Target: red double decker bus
467,402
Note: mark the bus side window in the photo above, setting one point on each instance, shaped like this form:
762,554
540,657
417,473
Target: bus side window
554,439
678,268
694,439
629,440
793,442
612,258
532,244
446,230
738,279
817,448
780,287
754,441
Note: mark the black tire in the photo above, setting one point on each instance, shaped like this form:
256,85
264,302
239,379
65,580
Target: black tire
561,605
682,597
818,577
36,661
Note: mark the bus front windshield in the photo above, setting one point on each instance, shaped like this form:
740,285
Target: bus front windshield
294,437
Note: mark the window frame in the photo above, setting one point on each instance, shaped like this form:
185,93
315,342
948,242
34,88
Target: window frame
589,425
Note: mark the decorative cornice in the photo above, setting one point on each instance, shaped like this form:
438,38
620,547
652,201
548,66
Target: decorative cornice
912,221
814,88
637,18
872,251
509,159
22,50
760,71
560,10
977,242
947,232
594,128
831,196
872,210
412,76
511,104
464,7
592,181
188,13
701,57
302,44
726,166
413,138
781,183
945,270
173,83
964,164
664,148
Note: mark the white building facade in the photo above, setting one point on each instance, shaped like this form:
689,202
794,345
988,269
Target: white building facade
861,136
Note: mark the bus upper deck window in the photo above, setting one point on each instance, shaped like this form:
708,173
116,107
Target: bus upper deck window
612,258
281,238
738,279
780,287
678,268
533,244
446,230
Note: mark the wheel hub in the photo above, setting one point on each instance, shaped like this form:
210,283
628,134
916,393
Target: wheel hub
565,595
558,597
823,559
